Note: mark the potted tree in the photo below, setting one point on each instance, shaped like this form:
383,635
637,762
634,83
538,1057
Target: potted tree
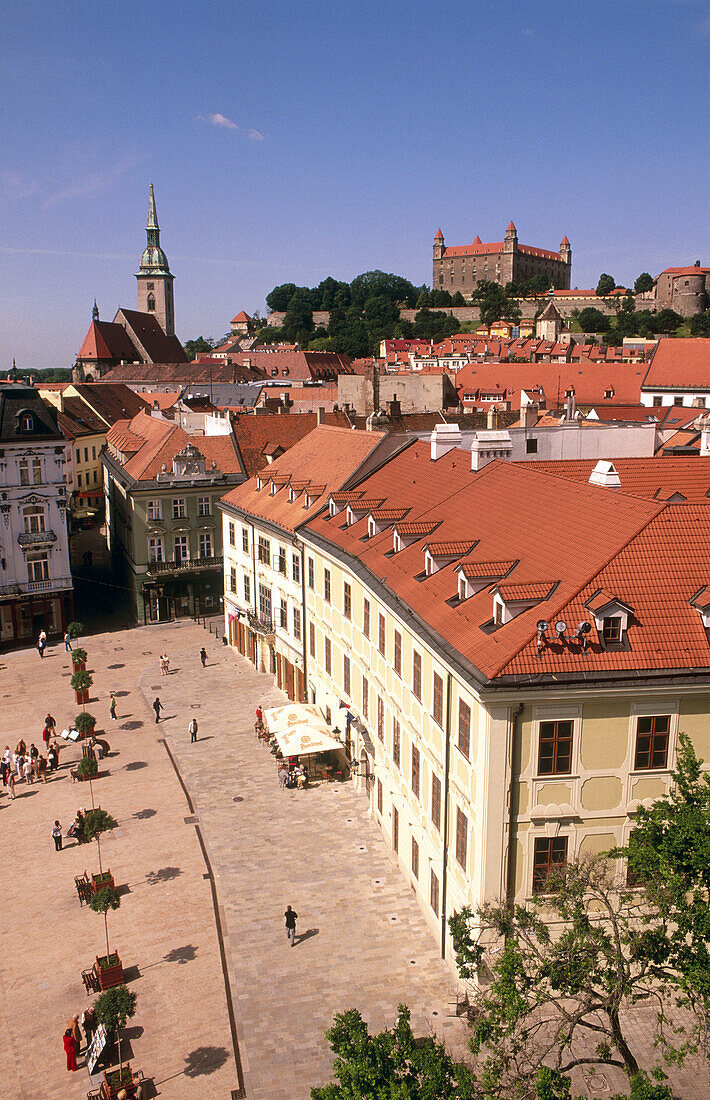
113,1009
78,659
96,822
87,769
108,968
85,723
81,682
74,629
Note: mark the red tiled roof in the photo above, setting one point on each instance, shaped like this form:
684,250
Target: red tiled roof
365,505
389,515
329,456
241,317
105,340
417,529
254,433
591,527
449,549
679,365
648,478
686,271
477,249
153,443
590,381
297,366
486,570
146,328
343,498
532,590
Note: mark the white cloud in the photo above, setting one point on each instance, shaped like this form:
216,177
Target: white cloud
222,120
255,135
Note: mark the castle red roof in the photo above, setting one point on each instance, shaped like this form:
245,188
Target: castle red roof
478,248
240,318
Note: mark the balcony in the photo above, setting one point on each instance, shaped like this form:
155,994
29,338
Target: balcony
36,538
260,623
46,585
187,565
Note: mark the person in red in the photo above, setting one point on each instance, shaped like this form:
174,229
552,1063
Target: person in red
45,738
259,714
70,1048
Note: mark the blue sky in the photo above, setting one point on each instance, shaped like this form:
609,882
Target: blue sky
290,141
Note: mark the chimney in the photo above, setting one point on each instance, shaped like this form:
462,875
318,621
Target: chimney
444,438
528,415
492,419
703,425
320,415
605,475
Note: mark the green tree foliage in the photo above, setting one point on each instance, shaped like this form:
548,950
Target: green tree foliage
200,346
458,299
494,304
440,298
593,320
114,1008
666,321
96,822
106,899
391,1065
298,322
431,325
643,283
700,324
278,299
378,284
566,969
605,285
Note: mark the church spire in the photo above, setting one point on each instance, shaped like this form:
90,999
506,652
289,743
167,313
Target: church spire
153,261
95,312
155,281
152,214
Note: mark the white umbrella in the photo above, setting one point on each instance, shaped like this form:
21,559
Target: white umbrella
300,728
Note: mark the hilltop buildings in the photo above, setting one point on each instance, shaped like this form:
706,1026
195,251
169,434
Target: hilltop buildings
462,267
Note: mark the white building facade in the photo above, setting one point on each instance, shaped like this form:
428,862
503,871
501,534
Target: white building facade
35,574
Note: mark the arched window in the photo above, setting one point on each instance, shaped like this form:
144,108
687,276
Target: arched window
25,421
151,303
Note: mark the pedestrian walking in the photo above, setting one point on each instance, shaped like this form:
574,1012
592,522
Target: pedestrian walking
50,723
45,737
203,656
112,707
53,758
67,643
42,768
291,919
70,1049
157,707
5,765
57,835
41,643
193,729
11,785
28,770
163,665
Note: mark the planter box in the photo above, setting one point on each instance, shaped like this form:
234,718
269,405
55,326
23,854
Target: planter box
79,666
108,976
82,696
115,1080
99,881
86,778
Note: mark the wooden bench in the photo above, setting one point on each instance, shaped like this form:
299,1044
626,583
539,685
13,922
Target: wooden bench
84,888
91,982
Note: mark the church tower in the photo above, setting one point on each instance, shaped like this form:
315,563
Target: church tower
155,282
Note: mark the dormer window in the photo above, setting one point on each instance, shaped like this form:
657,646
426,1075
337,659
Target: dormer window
26,422
611,629
371,528
462,587
609,393
510,600
259,483
396,543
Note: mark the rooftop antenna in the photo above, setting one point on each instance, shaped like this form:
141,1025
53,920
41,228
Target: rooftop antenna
542,625
582,632
561,627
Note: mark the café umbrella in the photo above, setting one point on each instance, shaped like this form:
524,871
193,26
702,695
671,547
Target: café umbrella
300,728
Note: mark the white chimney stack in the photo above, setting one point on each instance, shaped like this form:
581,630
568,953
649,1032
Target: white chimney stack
605,475
444,438
703,425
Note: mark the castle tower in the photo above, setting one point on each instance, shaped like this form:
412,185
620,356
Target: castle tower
439,246
510,244
566,251
155,282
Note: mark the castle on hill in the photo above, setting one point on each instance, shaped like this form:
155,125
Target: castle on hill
460,267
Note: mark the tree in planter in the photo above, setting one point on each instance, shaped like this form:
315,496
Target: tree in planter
571,963
113,1009
85,723
107,898
97,822
78,656
87,768
81,682
74,629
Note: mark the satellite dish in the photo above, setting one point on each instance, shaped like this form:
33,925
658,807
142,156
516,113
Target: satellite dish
560,627
584,627
542,625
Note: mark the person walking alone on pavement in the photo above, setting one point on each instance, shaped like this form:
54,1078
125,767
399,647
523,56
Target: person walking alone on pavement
203,656
57,835
291,919
157,707
112,707
70,1048
193,729
67,643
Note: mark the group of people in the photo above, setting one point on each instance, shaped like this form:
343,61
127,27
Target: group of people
26,764
164,664
73,1038
293,777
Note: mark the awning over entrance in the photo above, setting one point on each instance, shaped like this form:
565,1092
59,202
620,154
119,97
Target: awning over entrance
299,728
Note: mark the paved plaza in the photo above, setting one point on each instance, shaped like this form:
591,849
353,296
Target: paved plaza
361,939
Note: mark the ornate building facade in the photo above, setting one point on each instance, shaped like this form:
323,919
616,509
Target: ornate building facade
461,267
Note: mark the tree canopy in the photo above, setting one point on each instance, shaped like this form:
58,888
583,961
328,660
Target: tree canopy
593,320
605,285
201,346
495,303
643,284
